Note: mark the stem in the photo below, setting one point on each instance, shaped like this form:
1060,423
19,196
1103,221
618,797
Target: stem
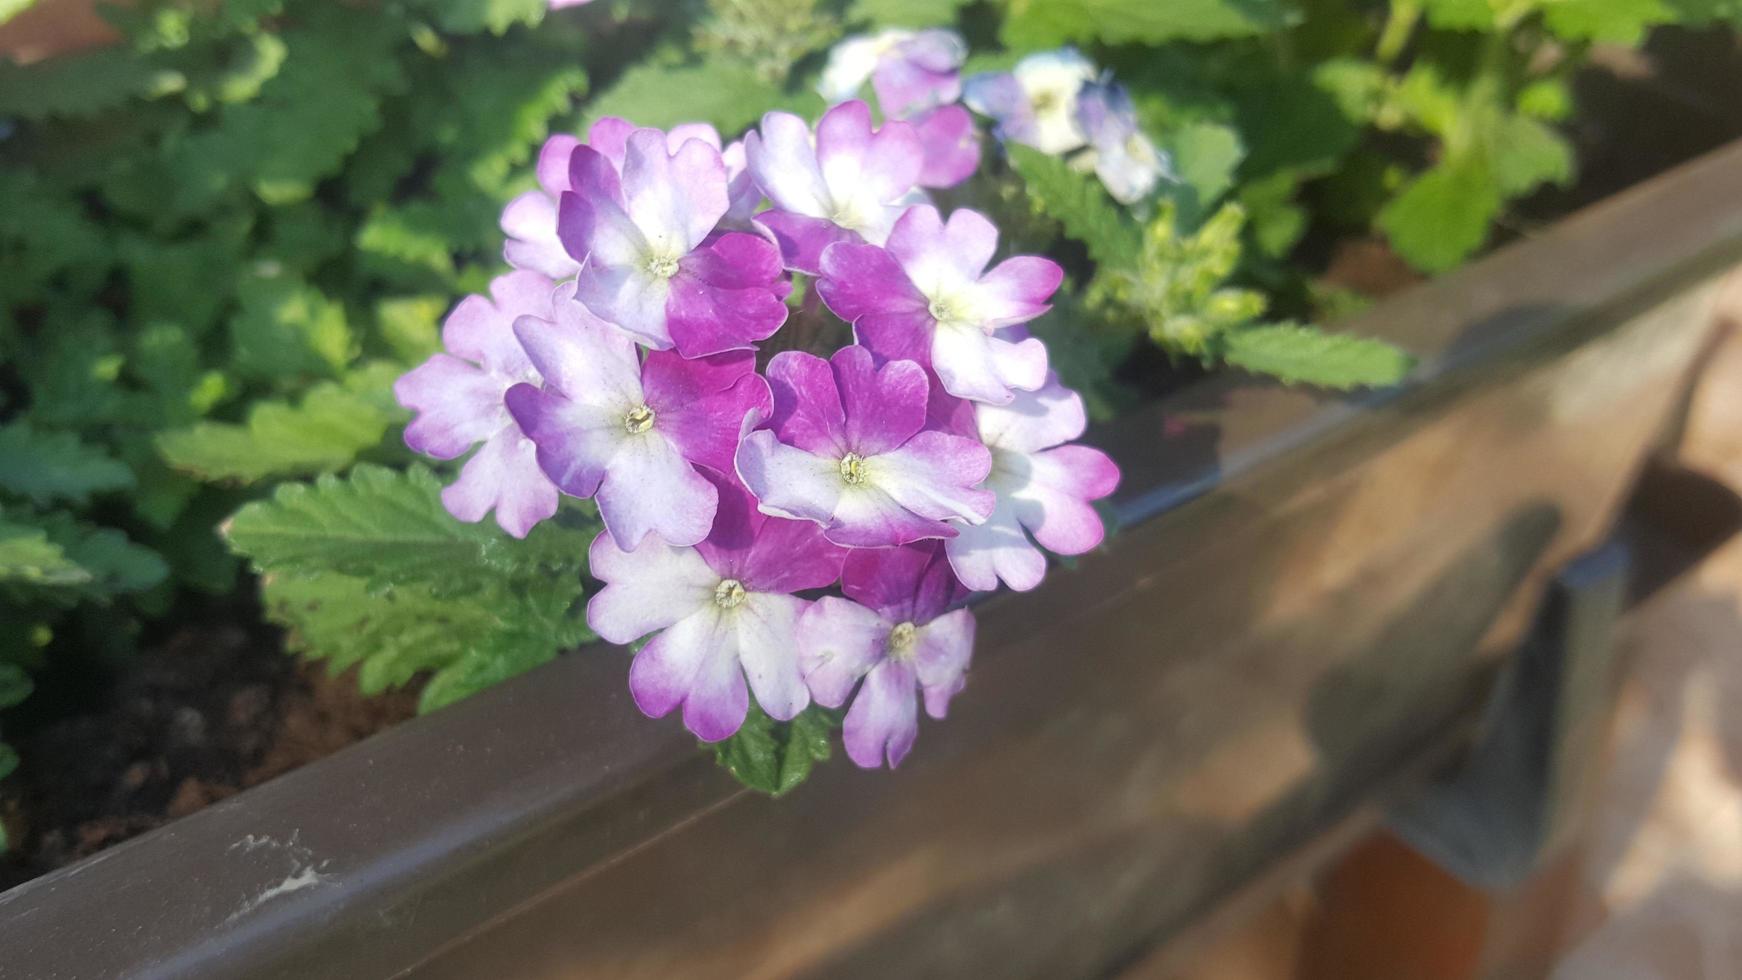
1399,27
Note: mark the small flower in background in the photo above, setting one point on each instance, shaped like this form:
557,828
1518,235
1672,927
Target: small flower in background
951,145
897,630
1035,103
1044,488
847,448
458,400
724,610
928,297
530,220
629,433
848,184
1128,164
911,71
655,265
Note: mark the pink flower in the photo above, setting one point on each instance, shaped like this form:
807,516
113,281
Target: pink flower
655,266
1044,488
632,434
911,71
847,185
458,398
530,220
927,297
950,144
724,609
896,630
847,448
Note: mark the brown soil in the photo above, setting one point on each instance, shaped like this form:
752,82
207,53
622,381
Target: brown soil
208,714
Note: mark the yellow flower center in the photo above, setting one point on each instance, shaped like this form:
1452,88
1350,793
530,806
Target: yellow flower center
853,468
662,266
901,640
729,594
639,420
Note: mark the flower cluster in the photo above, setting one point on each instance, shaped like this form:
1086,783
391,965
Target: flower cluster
929,458
1060,104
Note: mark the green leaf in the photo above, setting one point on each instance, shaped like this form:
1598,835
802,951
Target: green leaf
27,557
1079,203
390,528
46,467
15,686
1030,24
1611,21
473,16
1306,355
1204,158
81,84
905,13
774,757
323,432
717,90
1525,153
286,327
1443,215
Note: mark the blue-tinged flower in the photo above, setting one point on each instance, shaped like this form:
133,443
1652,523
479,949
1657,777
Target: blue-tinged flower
1035,103
1128,164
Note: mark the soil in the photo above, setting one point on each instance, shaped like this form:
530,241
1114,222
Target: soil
205,715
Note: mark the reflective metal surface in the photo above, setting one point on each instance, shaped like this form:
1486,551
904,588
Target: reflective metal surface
1306,606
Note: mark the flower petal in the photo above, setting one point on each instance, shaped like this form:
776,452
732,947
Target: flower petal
723,296
935,475
869,517
581,356
884,719
787,481
883,406
482,331
553,164
457,404
647,589
1016,290
912,583
649,488
858,280
784,162
943,257
997,549
529,222
951,145
803,239
674,198
503,475
629,296
984,368
791,556
807,405
942,651
1033,420
838,642
706,430
576,441
1054,503
767,626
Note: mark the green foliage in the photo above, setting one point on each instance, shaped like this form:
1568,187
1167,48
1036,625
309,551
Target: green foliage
55,467
1076,201
772,756
1050,23
720,90
1307,355
370,571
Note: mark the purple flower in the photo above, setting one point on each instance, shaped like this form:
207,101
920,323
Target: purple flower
1035,103
911,71
927,298
530,220
726,611
847,448
632,434
1043,487
1128,164
846,186
951,146
893,630
654,265
458,398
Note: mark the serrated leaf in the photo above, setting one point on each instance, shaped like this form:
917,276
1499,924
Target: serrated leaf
723,92
48,467
905,13
286,328
81,84
1205,156
1306,355
775,757
323,432
27,557
393,633
387,527
1030,24
1079,203
1443,215
1525,154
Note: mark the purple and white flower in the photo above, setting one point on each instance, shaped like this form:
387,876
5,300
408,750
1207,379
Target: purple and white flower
654,264
530,220
632,435
1035,103
848,449
1044,488
849,184
911,71
458,400
928,297
896,630
951,145
1128,164
724,610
